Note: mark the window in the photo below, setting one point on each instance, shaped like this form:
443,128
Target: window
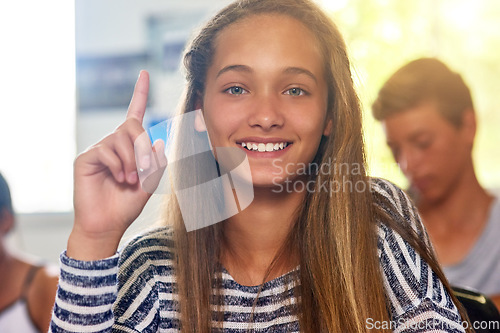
382,35
38,103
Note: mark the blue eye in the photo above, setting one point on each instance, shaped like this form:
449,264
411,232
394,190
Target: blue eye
235,90
295,92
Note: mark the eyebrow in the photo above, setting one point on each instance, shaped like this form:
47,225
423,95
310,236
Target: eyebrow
237,68
417,135
288,70
413,137
299,70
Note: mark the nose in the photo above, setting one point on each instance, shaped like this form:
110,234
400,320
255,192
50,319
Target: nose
408,162
267,113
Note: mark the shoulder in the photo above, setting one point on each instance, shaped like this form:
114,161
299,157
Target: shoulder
42,294
399,230
396,219
391,198
413,289
43,283
398,209
494,211
399,227
495,208
145,271
148,253
150,241
491,231
45,279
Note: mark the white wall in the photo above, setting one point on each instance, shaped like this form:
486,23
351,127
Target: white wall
102,27
114,26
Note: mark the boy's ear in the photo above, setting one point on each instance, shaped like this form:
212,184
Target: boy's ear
469,124
328,127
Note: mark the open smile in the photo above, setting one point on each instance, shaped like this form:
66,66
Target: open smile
264,147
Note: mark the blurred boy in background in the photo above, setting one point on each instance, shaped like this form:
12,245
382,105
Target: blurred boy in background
27,289
429,121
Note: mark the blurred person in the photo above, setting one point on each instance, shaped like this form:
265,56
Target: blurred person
27,289
430,124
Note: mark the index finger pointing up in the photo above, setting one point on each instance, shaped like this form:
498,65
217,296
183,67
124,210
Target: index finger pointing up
137,106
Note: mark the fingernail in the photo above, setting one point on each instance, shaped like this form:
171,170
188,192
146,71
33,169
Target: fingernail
145,162
132,177
140,73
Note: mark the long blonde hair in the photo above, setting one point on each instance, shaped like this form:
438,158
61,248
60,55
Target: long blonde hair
340,281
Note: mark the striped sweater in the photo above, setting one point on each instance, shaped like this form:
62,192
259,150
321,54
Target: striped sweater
134,291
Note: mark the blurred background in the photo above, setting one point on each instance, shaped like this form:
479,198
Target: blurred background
69,68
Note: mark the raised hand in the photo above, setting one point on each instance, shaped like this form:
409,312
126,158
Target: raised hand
107,194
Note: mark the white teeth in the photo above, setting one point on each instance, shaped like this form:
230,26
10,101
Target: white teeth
264,147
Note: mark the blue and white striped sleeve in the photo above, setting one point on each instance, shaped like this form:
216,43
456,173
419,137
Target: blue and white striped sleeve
417,297
120,293
86,293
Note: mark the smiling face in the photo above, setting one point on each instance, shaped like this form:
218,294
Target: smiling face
266,94
432,153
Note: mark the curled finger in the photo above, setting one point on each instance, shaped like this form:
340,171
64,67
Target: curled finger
108,158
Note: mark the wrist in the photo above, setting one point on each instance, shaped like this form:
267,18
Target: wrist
92,246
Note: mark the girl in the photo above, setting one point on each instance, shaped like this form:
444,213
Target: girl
351,258
27,288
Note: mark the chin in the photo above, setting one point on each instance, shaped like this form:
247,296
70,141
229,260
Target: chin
430,196
268,182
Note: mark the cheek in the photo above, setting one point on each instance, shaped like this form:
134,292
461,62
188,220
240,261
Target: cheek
218,126
311,124
448,148
310,131
221,121
446,158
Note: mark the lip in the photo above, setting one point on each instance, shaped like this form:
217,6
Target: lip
262,140
421,183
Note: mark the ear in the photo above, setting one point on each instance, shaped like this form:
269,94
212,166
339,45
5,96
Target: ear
199,121
6,221
328,127
469,125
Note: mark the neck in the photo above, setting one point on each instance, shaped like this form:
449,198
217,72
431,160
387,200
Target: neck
256,235
455,207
